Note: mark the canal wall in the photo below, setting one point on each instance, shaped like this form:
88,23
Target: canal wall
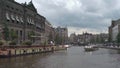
111,47
19,51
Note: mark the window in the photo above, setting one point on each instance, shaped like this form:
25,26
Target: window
32,22
20,32
12,17
17,18
7,16
12,8
37,25
21,19
28,20
7,6
17,10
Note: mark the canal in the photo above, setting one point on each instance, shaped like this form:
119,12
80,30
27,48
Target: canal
74,57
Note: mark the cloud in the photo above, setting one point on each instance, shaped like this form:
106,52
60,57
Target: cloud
79,15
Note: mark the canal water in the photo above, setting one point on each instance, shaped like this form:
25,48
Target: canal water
74,57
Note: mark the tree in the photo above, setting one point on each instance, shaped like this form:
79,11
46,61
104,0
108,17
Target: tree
1,43
28,43
30,34
97,40
109,39
118,38
58,39
92,40
6,32
13,35
50,37
102,40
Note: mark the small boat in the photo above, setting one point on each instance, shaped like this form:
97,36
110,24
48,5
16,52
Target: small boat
90,48
67,46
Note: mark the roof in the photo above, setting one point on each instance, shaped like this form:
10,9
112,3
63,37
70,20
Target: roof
31,6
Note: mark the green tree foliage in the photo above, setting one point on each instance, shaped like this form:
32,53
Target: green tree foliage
50,37
92,40
12,43
28,43
1,43
30,34
58,39
102,40
109,39
6,32
13,35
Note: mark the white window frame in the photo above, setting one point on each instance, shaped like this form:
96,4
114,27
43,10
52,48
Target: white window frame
17,18
32,22
7,16
21,19
12,17
28,20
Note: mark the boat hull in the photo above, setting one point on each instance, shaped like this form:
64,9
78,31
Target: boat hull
90,49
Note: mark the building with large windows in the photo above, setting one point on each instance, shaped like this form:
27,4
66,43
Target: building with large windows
61,35
22,21
49,32
114,29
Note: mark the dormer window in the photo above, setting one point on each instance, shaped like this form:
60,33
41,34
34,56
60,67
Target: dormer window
17,18
12,17
32,22
7,16
28,20
21,19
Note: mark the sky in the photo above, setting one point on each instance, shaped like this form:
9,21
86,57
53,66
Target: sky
93,16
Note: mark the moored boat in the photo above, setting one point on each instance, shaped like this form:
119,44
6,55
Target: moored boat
91,48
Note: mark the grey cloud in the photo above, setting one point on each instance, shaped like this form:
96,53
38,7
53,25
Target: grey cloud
91,14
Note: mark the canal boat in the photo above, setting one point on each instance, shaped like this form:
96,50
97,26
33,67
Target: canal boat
90,48
25,50
67,46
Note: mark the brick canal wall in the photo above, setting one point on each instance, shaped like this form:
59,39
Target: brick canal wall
18,51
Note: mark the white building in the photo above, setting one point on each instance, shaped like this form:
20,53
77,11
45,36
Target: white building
115,32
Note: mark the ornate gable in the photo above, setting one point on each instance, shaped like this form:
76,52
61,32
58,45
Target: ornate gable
31,6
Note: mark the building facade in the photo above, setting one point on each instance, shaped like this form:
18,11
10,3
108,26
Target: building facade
61,35
114,29
85,38
88,38
21,20
73,38
49,32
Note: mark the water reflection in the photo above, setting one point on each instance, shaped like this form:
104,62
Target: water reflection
74,57
22,61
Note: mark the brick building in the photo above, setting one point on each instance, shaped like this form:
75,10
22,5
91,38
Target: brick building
49,32
23,20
